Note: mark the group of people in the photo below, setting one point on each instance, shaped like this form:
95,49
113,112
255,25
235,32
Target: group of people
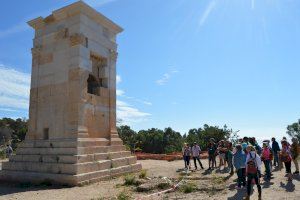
247,157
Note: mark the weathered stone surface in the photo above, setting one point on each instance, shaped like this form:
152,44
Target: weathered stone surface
72,136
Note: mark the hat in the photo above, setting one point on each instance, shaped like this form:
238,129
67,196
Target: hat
283,141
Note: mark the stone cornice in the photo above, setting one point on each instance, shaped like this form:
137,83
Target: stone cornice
76,8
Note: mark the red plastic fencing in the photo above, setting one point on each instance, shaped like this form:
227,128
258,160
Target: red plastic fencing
167,157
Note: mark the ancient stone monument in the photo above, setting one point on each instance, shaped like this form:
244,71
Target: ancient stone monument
72,137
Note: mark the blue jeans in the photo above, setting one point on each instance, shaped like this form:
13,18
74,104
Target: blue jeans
276,158
186,161
267,166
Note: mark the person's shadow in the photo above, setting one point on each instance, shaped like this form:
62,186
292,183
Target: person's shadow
240,194
289,186
206,172
296,177
267,184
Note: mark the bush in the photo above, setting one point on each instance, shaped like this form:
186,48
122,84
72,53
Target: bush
124,196
143,173
188,188
130,180
2,154
163,186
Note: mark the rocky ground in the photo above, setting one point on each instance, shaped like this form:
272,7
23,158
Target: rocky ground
160,176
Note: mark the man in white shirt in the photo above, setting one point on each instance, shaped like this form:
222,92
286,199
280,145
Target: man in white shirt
196,155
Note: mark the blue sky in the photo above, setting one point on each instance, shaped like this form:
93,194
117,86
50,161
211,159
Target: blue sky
181,63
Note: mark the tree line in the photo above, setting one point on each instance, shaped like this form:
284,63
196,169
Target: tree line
168,140
152,140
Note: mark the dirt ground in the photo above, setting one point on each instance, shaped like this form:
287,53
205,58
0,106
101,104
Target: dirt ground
277,188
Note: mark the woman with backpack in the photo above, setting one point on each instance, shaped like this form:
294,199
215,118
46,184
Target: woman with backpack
253,167
286,158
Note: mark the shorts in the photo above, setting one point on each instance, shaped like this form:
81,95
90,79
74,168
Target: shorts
222,155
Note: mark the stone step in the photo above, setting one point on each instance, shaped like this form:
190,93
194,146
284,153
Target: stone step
118,162
57,168
37,178
65,179
97,176
63,168
51,168
116,141
82,142
100,149
114,135
46,151
70,151
69,159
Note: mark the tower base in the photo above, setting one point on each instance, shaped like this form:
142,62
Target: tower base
68,162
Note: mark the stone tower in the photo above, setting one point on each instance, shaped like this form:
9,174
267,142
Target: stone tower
72,137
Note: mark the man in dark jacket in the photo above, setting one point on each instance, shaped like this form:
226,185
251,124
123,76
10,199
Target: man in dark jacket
275,149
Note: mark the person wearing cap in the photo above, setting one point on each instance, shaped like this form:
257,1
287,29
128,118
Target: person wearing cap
196,155
295,154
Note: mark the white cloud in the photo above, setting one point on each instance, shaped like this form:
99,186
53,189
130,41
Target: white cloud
98,3
118,78
129,114
212,4
147,103
8,110
120,92
166,77
14,90
252,4
14,29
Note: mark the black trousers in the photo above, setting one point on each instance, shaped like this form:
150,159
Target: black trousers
195,163
241,173
288,166
249,183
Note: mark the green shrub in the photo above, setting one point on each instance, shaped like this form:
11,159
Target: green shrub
143,173
130,179
188,188
124,195
2,154
163,185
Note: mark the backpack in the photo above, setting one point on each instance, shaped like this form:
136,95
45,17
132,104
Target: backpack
251,165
